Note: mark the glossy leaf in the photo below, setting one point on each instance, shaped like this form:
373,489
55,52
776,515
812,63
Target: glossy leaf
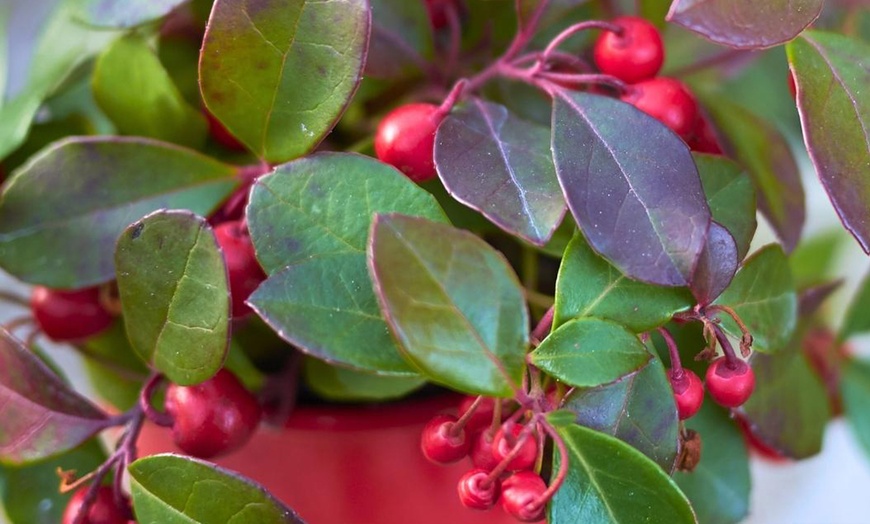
763,295
832,73
174,488
124,13
279,73
589,286
175,293
588,352
501,166
731,197
789,408
746,24
632,187
764,152
29,493
856,396
401,38
465,325
717,265
155,108
637,409
60,230
340,384
856,320
42,416
313,217
719,486
610,482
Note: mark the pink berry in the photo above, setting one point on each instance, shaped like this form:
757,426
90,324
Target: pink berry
634,54
405,139
245,273
669,101
730,383
104,510
521,495
504,443
442,443
69,315
477,491
481,451
688,392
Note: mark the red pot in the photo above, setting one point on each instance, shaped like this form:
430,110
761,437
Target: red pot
352,465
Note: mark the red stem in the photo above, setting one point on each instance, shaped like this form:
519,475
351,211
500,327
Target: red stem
674,352
730,357
518,447
458,426
571,31
557,482
160,418
544,326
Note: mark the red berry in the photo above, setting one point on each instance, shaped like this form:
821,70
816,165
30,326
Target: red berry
505,441
521,495
688,393
481,451
221,134
212,418
69,315
730,384
405,139
244,272
704,139
635,54
438,442
482,416
476,491
102,511
669,101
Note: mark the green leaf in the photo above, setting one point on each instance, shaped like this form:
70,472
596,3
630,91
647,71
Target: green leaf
174,290
124,13
638,409
29,493
155,108
855,387
814,259
731,197
452,302
763,295
857,321
175,489
719,486
61,213
115,371
340,384
589,286
789,409
401,38
610,482
309,222
279,73
588,352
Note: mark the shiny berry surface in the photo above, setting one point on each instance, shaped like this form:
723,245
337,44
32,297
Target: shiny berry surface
521,495
405,139
667,100
212,418
481,454
102,511
245,273
504,443
69,315
730,385
440,445
476,491
632,55
688,392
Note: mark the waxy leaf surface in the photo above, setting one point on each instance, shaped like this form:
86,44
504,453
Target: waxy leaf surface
637,409
155,108
632,187
124,13
175,293
310,222
763,295
832,73
42,416
610,482
339,384
174,488
717,265
746,24
589,286
731,197
60,230
856,395
789,408
588,352
452,302
278,74
501,166
401,38
719,486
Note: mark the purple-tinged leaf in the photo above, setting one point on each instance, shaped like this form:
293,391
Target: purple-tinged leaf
501,166
746,24
401,38
632,186
832,73
42,416
124,13
811,298
717,265
764,152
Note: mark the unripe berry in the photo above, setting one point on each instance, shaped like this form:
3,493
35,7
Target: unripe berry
476,491
481,451
244,272
405,139
635,54
442,443
688,392
214,417
669,101
69,315
730,383
521,495
102,511
504,443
